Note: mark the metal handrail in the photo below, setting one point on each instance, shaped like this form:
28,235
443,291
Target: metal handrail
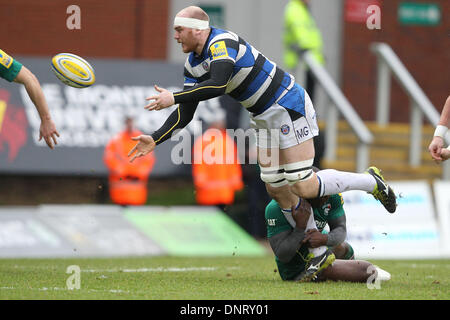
343,106
387,62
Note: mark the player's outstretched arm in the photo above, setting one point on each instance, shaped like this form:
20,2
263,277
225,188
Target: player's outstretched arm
220,73
47,129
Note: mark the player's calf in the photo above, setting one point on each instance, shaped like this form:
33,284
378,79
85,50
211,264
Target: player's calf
344,251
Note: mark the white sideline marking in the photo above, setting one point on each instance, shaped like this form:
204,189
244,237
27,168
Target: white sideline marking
159,269
63,289
423,265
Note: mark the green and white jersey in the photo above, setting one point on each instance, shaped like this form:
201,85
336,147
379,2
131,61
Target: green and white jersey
276,223
333,208
9,68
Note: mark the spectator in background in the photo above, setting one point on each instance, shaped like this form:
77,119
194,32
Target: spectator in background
436,148
301,35
127,181
13,70
216,171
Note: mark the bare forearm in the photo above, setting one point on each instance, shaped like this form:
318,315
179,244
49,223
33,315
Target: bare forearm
445,115
37,96
34,90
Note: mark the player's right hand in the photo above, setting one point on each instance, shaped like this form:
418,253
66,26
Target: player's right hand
48,131
145,145
435,148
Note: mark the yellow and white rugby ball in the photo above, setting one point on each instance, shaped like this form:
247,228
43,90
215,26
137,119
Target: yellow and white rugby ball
73,70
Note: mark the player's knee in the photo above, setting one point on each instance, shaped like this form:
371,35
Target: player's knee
273,176
307,189
298,171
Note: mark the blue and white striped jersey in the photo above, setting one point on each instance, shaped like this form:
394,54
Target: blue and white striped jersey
256,82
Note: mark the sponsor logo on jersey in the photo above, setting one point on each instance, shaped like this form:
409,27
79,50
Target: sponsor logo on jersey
5,60
320,224
285,129
205,65
219,50
271,222
326,209
304,132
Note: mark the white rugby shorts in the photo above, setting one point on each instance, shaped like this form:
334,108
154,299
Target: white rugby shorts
275,128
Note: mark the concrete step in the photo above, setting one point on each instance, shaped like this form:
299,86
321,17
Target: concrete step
348,152
389,151
391,171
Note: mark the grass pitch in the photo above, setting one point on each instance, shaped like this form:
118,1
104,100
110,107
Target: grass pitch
234,278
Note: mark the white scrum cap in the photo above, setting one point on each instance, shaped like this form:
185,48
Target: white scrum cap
191,23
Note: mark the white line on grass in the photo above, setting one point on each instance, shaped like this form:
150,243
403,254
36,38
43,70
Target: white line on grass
64,289
159,269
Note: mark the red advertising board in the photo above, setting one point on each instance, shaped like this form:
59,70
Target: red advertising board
356,10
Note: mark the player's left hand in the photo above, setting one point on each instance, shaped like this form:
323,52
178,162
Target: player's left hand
162,100
315,238
145,145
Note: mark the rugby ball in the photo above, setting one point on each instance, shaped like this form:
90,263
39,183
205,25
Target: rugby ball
73,70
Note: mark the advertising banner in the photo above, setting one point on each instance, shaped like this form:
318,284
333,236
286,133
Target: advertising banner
23,234
442,195
70,231
73,231
411,232
87,118
94,230
194,231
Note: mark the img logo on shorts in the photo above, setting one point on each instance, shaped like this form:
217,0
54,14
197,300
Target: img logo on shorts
302,132
285,129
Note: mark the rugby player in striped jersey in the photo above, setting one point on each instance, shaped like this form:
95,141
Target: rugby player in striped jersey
281,112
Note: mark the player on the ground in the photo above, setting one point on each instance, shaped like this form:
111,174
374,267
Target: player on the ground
436,148
220,62
291,242
13,70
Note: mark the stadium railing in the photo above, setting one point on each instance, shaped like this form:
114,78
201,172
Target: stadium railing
388,62
342,105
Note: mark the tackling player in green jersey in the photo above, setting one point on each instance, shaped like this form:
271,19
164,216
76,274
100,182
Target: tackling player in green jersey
12,70
292,237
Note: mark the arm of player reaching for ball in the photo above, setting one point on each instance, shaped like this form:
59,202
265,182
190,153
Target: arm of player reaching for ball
47,129
220,73
178,119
